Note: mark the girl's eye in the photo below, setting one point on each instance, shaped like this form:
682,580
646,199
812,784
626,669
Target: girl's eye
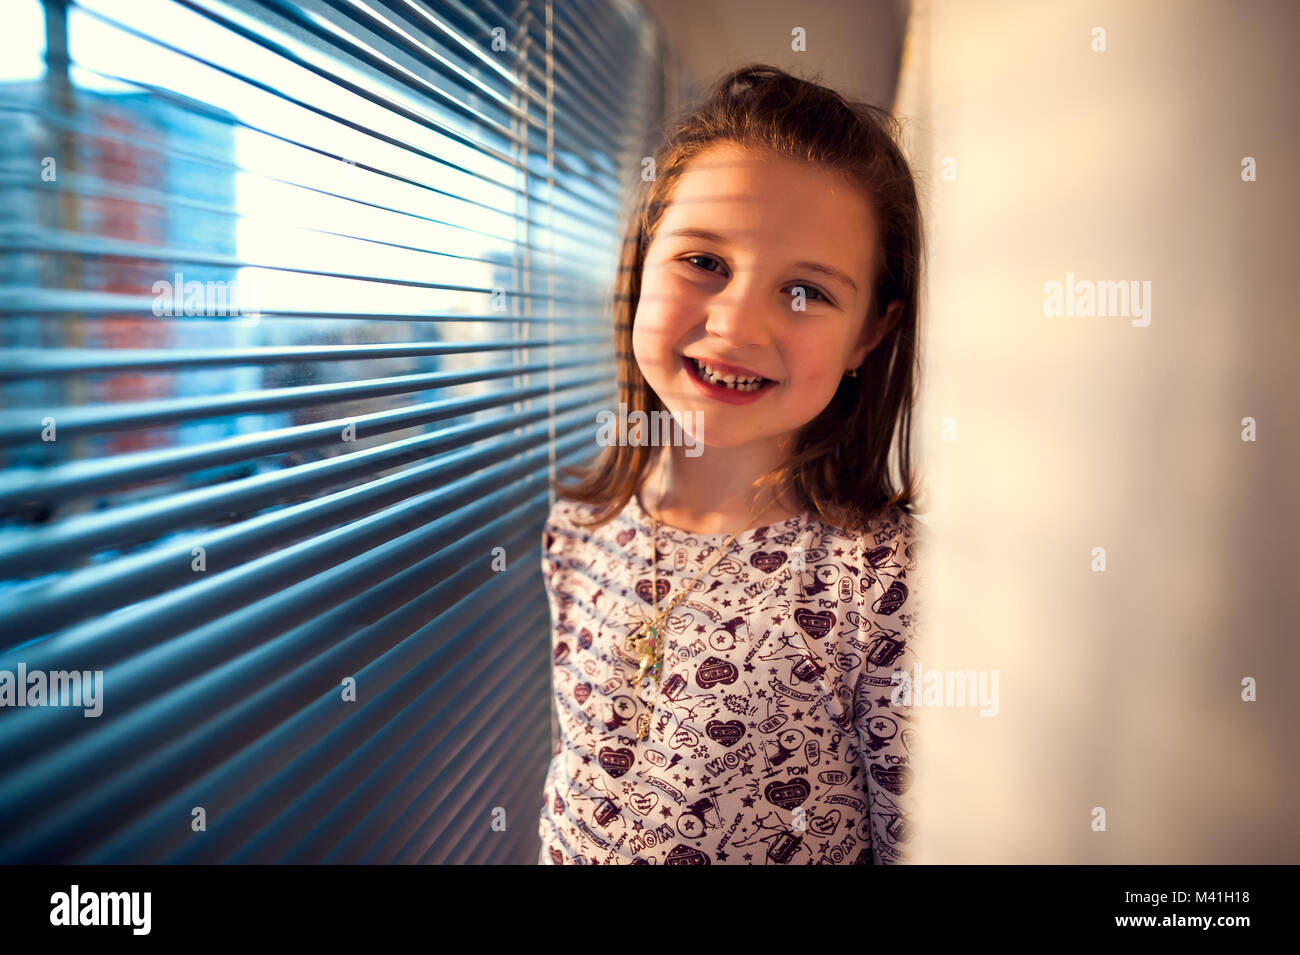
811,290
707,258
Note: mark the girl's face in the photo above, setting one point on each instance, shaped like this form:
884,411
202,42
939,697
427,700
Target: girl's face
743,232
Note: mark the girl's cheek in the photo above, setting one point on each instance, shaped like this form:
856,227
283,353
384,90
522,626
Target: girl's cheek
669,287
667,316
685,305
650,340
811,369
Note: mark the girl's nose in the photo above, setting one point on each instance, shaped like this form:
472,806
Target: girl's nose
741,314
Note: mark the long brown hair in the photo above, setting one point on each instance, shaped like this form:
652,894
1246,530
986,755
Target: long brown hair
839,463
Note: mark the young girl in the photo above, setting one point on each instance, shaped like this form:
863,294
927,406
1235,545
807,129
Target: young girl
729,610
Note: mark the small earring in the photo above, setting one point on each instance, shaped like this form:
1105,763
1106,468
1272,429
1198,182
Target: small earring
851,373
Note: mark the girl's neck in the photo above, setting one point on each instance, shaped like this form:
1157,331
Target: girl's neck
714,492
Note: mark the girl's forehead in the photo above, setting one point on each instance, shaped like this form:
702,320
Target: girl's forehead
725,160
729,180
748,199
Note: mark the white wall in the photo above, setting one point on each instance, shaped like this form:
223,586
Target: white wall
854,44
1120,689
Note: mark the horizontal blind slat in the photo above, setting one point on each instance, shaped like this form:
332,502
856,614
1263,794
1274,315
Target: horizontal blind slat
24,427
54,241
161,580
57,483
514,792
27,363
402,713
138,770
214,673
73,540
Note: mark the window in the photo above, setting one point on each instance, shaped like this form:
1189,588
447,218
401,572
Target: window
301,305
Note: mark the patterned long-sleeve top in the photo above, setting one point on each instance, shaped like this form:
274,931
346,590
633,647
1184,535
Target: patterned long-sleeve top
777,736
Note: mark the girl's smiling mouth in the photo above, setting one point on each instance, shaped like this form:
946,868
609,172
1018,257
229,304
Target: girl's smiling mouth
714,385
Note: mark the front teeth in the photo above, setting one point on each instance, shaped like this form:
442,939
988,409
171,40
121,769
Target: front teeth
728,380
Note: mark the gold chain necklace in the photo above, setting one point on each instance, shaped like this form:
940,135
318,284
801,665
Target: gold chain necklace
645,643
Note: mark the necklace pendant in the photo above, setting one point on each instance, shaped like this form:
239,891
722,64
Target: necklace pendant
643,725
647,651
646,646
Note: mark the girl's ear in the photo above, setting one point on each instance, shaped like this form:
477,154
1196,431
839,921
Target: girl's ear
872,334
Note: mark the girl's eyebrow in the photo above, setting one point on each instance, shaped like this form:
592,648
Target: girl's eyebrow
827,270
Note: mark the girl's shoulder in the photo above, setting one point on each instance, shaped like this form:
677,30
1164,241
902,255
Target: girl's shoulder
568,514
894,528
902,528
568,525
893,555
886,558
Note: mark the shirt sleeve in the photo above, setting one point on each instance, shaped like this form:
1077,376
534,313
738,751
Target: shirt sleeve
549,540
886,727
